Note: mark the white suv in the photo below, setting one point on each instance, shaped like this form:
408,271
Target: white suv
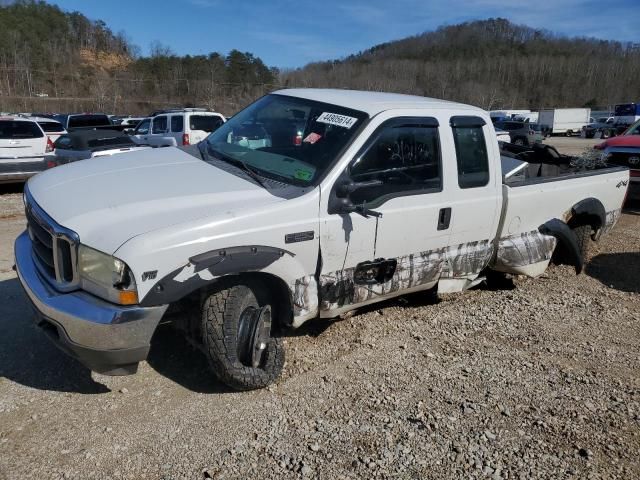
23,145
177,127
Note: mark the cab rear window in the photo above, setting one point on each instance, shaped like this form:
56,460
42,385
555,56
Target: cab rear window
10,129
77,121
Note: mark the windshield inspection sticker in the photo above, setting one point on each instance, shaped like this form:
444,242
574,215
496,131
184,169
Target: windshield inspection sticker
338,120
304,175
312,138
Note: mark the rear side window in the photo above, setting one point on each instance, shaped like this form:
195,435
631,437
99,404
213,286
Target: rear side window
177,123
159,125
79,121
10,129
471,152
64,143
51,127
207,123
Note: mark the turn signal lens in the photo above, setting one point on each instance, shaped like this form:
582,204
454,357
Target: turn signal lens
128,297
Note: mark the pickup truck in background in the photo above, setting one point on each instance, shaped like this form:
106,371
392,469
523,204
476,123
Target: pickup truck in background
349,198
624,151
83,120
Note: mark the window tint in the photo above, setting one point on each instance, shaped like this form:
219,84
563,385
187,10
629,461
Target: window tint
207,123
159,125
51,127
405,158
143,127
64,143
88,121
177,123
11,129
472,158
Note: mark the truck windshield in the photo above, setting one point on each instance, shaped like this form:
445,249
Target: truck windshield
288,139
626,110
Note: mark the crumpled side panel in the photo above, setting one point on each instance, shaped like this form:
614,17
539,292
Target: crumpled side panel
612,218
467,258
525,249
338,289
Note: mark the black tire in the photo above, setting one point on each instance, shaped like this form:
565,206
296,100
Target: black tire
606,134
583,236
221,319
569,133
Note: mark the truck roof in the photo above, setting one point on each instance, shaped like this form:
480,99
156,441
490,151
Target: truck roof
371,102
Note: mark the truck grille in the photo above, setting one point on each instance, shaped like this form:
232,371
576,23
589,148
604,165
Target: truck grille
629,159
54,247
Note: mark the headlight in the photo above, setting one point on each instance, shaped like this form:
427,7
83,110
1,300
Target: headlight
106,276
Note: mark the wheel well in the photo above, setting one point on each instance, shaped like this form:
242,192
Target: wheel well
267,287
589,211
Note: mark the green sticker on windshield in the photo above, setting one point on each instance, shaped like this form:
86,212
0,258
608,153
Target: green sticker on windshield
304,175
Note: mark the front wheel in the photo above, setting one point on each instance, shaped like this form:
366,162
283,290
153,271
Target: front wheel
238,339
569,133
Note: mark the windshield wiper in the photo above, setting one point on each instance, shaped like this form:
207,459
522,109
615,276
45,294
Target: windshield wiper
240,164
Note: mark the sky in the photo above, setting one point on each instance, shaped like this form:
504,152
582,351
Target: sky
292,33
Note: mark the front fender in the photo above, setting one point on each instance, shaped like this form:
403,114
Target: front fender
205,268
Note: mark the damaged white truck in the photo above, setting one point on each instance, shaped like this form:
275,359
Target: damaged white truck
308,203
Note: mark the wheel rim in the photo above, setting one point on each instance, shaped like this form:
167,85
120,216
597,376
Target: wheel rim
254,327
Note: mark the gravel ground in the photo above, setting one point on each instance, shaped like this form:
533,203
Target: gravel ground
538,379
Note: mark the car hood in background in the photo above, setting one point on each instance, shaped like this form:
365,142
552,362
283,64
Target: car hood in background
108,201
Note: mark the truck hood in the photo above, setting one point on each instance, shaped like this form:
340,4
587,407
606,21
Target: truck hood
621,141
109,200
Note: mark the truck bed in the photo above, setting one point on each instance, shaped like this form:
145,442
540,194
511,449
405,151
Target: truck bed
545,164
544,189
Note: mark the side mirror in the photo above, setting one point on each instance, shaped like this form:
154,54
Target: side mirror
343,204
347,188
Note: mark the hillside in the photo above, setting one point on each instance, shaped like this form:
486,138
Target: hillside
492,64
80,64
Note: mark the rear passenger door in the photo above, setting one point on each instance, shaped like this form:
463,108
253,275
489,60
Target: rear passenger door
177,129
475,200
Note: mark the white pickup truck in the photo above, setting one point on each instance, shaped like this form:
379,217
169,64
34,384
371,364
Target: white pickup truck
356,197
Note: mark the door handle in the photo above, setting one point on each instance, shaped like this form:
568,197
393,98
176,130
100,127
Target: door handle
444,218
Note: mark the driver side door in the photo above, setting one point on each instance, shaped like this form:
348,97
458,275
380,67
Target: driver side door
388,235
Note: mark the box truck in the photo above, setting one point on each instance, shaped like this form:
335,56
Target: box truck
564,121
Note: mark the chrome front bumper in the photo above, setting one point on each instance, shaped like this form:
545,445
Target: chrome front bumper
107,338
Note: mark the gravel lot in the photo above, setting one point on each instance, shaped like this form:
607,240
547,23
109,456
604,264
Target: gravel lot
537,381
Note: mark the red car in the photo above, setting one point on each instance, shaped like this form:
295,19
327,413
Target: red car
625,151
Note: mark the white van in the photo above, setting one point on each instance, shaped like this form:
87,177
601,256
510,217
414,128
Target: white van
177,127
